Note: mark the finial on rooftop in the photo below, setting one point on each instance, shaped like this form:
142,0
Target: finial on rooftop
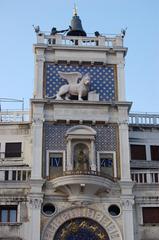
75,10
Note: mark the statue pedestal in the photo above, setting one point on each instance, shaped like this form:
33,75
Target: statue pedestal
93,96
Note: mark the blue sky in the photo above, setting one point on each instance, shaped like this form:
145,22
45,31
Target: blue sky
142,39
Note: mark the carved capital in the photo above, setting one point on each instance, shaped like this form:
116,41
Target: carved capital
40,58
35,202
38,122
127,204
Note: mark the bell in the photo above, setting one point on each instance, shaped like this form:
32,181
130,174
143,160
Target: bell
76,26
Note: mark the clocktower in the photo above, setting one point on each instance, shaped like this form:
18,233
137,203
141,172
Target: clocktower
80,166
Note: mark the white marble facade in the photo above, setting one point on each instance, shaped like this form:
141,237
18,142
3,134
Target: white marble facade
75,157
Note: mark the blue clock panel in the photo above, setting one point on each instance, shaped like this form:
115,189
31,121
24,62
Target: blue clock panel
102,79
81,229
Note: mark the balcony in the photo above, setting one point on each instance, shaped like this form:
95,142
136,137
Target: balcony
109,41
145,176
90,172
16,173
143,119
14,116
82,185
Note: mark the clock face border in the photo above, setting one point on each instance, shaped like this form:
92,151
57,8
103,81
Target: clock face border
81,229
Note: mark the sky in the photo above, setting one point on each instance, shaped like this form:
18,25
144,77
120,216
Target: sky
141,17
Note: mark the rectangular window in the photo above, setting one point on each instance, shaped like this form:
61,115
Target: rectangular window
13,150
106,163
8,214
138,152
150,215
55,163
154,153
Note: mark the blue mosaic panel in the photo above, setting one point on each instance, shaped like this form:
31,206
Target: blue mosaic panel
102,79
55,137
81,229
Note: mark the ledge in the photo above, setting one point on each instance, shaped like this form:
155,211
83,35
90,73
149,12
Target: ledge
84,102
10,224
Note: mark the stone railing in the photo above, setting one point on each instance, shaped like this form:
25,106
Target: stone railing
75,172
16,173
14,116
143,119
101,41
145,176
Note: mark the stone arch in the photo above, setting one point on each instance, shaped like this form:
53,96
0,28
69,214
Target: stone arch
106,222
81,228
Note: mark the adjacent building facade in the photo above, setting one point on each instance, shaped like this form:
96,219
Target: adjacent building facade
81,166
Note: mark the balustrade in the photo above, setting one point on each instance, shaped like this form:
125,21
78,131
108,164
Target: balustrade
101,41
143,119
14,116
15,173
145,176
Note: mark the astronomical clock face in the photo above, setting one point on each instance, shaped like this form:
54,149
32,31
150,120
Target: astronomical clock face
81,229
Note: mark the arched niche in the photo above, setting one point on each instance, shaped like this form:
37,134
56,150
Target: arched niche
81,157
80,145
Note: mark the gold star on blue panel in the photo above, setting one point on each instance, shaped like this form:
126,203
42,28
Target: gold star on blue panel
102,79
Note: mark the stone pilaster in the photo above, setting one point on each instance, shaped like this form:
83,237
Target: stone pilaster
127,202
124,152
121,77
35,201
69,165
37,134
39,73
93,161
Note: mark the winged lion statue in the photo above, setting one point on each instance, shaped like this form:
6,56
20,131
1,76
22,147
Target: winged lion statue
73,88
